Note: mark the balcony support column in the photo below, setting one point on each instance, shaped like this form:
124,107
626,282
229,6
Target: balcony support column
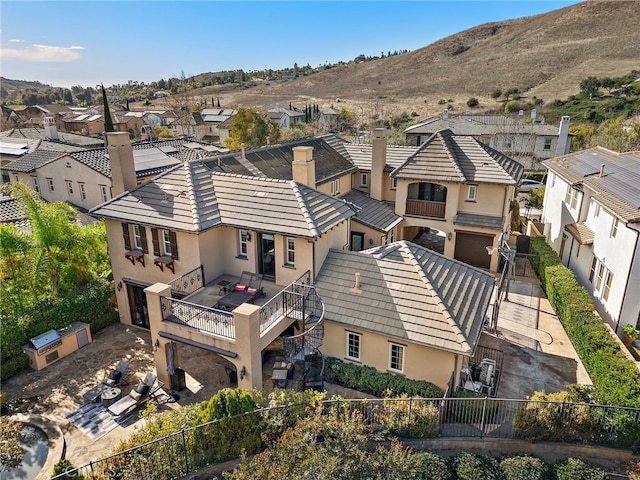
247,322
154,310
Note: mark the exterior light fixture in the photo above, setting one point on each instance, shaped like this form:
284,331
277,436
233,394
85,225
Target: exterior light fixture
156,345
119,286
243,372
449,236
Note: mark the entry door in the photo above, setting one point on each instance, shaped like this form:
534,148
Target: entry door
138,306
357,241
267,254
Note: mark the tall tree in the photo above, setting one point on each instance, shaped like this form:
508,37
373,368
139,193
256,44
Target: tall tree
251,127
108,123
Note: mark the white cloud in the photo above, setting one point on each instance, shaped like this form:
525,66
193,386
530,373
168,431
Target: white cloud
42,53
15,40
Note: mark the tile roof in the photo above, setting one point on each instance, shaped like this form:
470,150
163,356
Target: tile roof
447,157
373,213
478,220
480,125
64,137
32,161
409,293
12,210
618,190
192,198
360,154
581,232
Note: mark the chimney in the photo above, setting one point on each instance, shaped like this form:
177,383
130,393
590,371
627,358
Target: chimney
50,129
378,162
521,114
601,171
564,142
534,113
123,170
242,151
303,166
356,286
445,114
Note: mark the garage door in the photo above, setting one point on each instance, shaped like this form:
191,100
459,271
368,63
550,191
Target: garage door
472,249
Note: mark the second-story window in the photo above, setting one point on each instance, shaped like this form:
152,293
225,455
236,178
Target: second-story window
364,179
571,198
592,273
50,182
547,144
335,187
104,192
69,187
614,227
471,193
137,237
166,242
291,251
83,191
36,185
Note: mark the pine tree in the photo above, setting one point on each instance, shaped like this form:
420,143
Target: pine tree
108,123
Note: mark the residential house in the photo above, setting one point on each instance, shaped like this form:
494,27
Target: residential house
329,118
178,241
86,124
459,186
9,119
285,117
203,125
529,141
592,220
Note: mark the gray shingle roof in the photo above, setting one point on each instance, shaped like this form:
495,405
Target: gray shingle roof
192,198
447,157
396,155
374,213
480,125
409,293
478,220
12,210
618,190
32,161
64,137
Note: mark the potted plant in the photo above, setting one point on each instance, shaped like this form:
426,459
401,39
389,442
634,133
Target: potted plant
629,334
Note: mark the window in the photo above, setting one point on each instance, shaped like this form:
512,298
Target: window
592,274
244,239
391,236
36,186
396,357
572,196
166,242
353,346
471,193
364,179
335,187
601,270
137,237
547,144
104,192
394,183
50,182
291,251
607,285
507,143
83,191
614,227
69,187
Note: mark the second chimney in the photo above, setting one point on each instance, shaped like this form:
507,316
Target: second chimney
50,128
303,166
123,170
564,142
378,162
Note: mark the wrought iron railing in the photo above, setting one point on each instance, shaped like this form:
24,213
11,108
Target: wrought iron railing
425,208
204,319
312,336
186,451
188,283
279,306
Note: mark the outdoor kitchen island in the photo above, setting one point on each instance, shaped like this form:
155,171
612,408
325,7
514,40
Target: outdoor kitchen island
53,345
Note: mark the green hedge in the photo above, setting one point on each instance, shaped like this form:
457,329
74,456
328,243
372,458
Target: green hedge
91,304
369,380
616,378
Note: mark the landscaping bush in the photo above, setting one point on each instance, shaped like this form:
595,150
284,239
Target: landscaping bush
470,466
369,380
576,469
63,466
410,417
525,468
617,379
430,466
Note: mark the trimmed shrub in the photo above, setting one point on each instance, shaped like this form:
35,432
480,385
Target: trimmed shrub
525,468
429,466
471,466
413,417
64,466
369,380
576,469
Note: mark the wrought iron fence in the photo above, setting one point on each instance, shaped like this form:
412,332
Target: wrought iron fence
275,308
188,450
188,283
205,319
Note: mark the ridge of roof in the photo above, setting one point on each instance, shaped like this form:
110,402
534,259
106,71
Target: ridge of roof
447,139
303,207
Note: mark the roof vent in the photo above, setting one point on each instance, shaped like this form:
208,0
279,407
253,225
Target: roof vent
356,285
601,170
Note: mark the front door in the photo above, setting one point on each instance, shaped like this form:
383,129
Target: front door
267,255
357,241
138,306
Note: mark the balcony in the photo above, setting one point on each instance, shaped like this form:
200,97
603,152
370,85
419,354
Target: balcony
425,208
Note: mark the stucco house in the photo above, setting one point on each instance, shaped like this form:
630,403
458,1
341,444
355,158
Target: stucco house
527,140
179,241
591,219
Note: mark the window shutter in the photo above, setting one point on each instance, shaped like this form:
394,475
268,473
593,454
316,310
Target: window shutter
174,245
143,239
126,236
156,242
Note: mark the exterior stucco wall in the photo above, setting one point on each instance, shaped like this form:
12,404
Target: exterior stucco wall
337,238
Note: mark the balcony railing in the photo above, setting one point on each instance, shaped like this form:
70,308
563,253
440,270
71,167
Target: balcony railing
281,305
425,208
204,319
187,283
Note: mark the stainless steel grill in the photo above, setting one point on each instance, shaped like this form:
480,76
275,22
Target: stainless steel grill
46,341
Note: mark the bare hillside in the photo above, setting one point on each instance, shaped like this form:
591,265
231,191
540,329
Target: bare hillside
545,55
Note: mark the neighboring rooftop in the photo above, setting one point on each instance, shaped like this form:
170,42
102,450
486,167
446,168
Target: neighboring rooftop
64,137
373,213
407,292
360,154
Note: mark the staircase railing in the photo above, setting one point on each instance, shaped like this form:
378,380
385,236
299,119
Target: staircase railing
311,307
280,305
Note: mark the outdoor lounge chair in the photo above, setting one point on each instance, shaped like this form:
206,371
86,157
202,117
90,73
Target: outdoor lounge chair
247,289
138,395
117,375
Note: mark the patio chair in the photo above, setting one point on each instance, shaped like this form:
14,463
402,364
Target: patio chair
117,375
247,289
141,393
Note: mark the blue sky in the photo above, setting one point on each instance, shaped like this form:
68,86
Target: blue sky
91,42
